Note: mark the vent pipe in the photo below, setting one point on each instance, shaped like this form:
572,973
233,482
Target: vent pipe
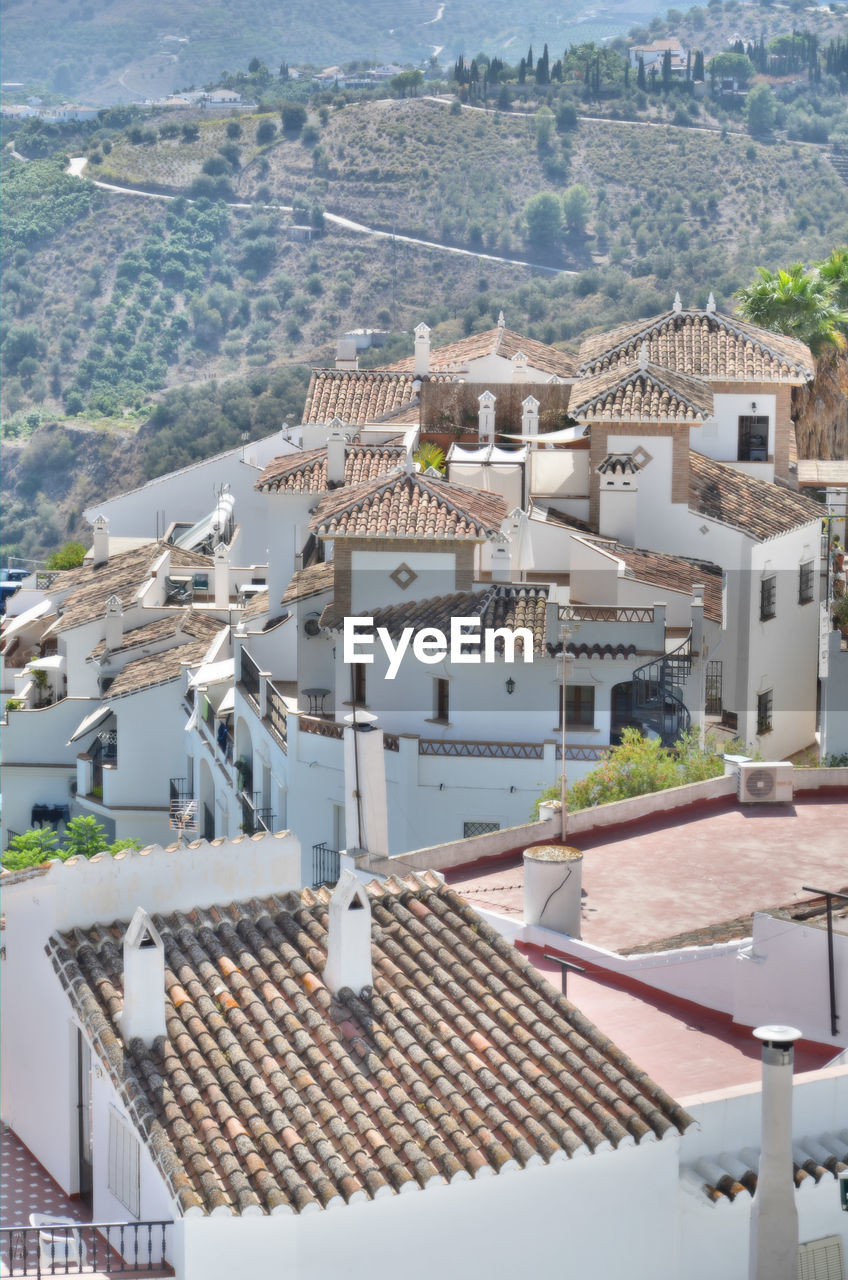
774,1215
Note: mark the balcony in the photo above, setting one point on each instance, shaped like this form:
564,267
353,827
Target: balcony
182,806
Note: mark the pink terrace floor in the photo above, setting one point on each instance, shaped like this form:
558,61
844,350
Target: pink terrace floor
668,878
25,1188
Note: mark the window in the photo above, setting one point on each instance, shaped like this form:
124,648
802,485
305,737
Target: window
821,1259
768,597
753,439
764,711
358,682
441,700
805,582
470,829
124,1164
579,706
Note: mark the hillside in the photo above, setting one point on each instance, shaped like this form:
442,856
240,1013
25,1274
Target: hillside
115,50
112,301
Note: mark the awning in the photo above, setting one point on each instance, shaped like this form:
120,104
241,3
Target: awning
91,721
227,704
564,436
32,614
214,673
53,662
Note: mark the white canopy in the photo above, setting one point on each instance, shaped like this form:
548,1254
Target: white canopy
53,662
91,721
214,673
486,453
32,614
227,703
564,436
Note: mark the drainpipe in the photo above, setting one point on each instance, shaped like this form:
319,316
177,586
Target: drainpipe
774,1216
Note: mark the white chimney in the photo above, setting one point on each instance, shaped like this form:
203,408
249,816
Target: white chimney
501,558
366,806
774,1215
530,416
486,418
501,320
711,304
519,367
101,541
222,576
143,1015
114,624
346,357
422,350
336,454
677,305
349,936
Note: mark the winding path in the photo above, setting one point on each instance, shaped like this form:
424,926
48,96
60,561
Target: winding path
77,165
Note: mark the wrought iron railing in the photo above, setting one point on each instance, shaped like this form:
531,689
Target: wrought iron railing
481,750
182,806
84,1248
323,728
325,865
581,753
604,613
250,676
657,693
278,719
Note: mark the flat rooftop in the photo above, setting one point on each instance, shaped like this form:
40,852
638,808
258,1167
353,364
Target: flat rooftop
675,874
667,878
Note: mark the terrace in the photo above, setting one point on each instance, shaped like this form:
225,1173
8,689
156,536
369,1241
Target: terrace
110,1250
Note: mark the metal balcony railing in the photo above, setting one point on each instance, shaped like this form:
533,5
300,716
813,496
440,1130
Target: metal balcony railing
325,865
119,1248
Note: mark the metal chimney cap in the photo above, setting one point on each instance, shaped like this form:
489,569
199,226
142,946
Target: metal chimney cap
778,1036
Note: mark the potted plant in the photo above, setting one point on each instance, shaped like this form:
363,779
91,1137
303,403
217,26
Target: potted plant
839,614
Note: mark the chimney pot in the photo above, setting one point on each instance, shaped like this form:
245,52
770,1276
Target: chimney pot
349,936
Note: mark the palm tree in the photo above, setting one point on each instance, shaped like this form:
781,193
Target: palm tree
802,304
835,271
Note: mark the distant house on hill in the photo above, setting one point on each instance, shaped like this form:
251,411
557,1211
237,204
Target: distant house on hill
652,55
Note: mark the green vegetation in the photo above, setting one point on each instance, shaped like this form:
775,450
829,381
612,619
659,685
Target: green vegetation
808,304
639,765
69,556
429,455
83,838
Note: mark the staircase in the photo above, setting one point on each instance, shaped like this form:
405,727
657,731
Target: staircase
657,694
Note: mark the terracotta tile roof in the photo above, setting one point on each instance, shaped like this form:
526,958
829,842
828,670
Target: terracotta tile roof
456,356
185,622
160,668
755,506
727,1176
409,506
702,344
359,396
121,576
633,393
307,472
258,604
501,606
270,1095
312,581
810,911
676,573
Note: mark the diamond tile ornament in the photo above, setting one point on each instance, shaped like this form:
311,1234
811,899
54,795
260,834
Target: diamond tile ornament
403,576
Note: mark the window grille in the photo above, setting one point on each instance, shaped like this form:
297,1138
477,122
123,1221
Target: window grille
470,829
764,711
768,597
805,582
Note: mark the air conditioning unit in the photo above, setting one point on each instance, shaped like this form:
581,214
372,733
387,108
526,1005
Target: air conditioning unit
765,783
